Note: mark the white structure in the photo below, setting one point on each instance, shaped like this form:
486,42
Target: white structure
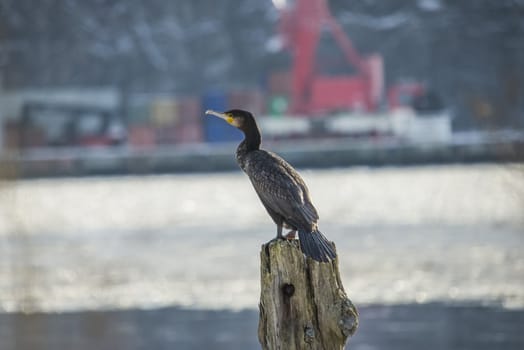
11,102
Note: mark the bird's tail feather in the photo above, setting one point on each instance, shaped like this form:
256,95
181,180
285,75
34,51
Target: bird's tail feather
316,246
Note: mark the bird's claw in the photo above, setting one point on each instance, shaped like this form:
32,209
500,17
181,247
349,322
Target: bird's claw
291,235
277,238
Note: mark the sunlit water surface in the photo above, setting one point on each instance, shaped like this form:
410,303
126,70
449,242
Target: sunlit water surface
404,235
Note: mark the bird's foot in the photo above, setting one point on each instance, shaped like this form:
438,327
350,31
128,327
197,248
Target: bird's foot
291,235
277,238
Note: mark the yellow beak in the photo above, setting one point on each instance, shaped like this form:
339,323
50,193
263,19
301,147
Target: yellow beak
224,116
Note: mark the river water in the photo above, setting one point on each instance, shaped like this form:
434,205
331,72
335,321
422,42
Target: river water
428,237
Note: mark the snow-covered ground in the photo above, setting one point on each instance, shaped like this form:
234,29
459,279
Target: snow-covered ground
404,234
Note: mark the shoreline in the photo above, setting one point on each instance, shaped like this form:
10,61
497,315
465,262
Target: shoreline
323,153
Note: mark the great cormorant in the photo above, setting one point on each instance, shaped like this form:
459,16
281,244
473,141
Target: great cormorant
280,188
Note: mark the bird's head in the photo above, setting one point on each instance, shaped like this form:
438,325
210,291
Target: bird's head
236,117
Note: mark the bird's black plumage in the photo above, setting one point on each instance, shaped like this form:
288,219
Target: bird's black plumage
282,191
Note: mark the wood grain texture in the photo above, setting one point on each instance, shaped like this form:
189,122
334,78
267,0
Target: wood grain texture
303,304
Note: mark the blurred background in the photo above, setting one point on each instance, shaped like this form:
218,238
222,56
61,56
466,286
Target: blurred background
126,223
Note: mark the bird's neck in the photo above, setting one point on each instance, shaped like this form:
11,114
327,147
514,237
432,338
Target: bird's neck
252,139
250,143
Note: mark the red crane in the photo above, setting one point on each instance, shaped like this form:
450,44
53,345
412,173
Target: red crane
312,92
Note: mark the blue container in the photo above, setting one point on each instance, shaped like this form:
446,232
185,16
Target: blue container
216,129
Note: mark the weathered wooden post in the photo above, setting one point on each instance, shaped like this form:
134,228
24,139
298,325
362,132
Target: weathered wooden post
303,304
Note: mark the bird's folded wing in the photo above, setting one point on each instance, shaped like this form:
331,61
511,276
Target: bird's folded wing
277,186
